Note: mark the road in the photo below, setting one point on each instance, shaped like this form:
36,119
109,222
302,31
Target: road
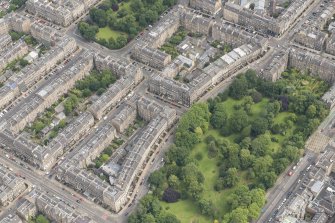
283,186
94,211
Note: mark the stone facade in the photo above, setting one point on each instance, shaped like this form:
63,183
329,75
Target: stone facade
207,6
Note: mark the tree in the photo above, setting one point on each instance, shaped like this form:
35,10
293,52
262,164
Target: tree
259,126
311,111
104,158
231,178
219,117
258,197
198,132
239,215
206,207
238,88
260,145
246,158
38,126
98,16
173,181
238,121
156,179
170,195
256,96
167,218
88,31
254,211
212,150
268,178
262,165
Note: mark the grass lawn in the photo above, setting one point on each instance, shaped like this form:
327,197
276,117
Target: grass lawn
186,211
106,33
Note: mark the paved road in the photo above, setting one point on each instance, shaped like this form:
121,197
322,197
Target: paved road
285,183
96,212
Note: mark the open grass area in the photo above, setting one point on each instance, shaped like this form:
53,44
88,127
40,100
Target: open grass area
186,211
107,33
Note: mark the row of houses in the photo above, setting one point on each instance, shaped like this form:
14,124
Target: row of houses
125,163
187,93
62,12
11,186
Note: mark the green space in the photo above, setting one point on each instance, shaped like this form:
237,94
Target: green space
107,33
113,23
108,151
228,151
39,219
73,102
170,47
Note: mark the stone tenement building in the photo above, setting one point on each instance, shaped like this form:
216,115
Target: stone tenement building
120,67
113,95
44,34
9,218
165,28
236,36
10,186
51,206
330,47
45,157
62,12
312,63
124,117
246,17
316,194
19,23
21,81
5,40
125,163
187,93
275,65
151,56
47,94
4,26
207,6
196,23
261,22
311,39
19,49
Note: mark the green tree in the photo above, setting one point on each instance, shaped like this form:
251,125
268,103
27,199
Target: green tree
88,31
246,158
261,145
220,116
231,178
206,207
259,126
254,211
238,121
173,181
238,88
311,111
156,179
